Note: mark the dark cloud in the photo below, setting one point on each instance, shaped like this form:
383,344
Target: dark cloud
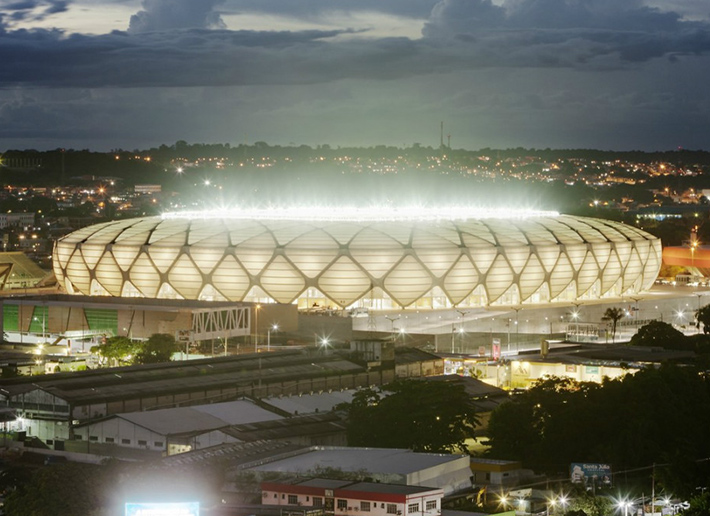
30,10
160,51
316,8
160,15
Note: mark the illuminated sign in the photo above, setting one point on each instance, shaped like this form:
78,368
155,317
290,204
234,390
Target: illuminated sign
163,509
588,474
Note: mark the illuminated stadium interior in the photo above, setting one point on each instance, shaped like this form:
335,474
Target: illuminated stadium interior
407,258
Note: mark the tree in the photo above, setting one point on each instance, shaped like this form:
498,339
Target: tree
424,416
654,416
69,488
117,350
613,315
661,334
160,347
591,505
703,316
699,505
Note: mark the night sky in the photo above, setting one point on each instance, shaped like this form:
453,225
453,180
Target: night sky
104,74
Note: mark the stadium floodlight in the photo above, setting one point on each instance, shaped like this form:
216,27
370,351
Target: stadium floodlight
373,213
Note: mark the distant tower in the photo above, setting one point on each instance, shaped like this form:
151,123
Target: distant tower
441,145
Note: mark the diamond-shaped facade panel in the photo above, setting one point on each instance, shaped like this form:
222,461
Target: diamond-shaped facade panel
185,277
407,281
461,280
78,272
561,276
282,280
587,276
230,279
109,274
344,282
499,278
144,276
531,278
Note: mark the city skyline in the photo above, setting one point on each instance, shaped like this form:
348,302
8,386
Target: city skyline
105,74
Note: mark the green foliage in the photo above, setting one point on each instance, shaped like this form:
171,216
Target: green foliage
655,416
69,488
418,415
613,315
591,505
158,348
661,334
117,350
703,316
699,505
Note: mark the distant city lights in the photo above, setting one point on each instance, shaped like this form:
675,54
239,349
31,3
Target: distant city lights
337,213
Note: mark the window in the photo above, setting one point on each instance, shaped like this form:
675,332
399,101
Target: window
342,504
142,443
125,441
292,499
365,506
317,501
413,507
431,505
78,437
391,508
50,441
382,506
275,495
158,444
109,439
94,438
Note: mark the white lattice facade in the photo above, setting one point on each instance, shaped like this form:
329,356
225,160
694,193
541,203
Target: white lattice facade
392,264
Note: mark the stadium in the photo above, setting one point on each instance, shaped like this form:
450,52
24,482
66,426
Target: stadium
342,258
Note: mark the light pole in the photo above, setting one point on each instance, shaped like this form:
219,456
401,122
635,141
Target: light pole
625,505
462,329
517,330
256,327
392,319
274,328
43,322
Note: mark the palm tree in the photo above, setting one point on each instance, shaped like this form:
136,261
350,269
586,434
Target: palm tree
613,315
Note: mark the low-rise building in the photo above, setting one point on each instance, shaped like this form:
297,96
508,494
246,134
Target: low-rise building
449,472
347,498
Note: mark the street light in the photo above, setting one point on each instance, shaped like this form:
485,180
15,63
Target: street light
256,327
551,504
43,322
392,319
624,504
274,328
323,343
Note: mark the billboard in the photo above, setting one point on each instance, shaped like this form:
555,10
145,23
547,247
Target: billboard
163,509
590,474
